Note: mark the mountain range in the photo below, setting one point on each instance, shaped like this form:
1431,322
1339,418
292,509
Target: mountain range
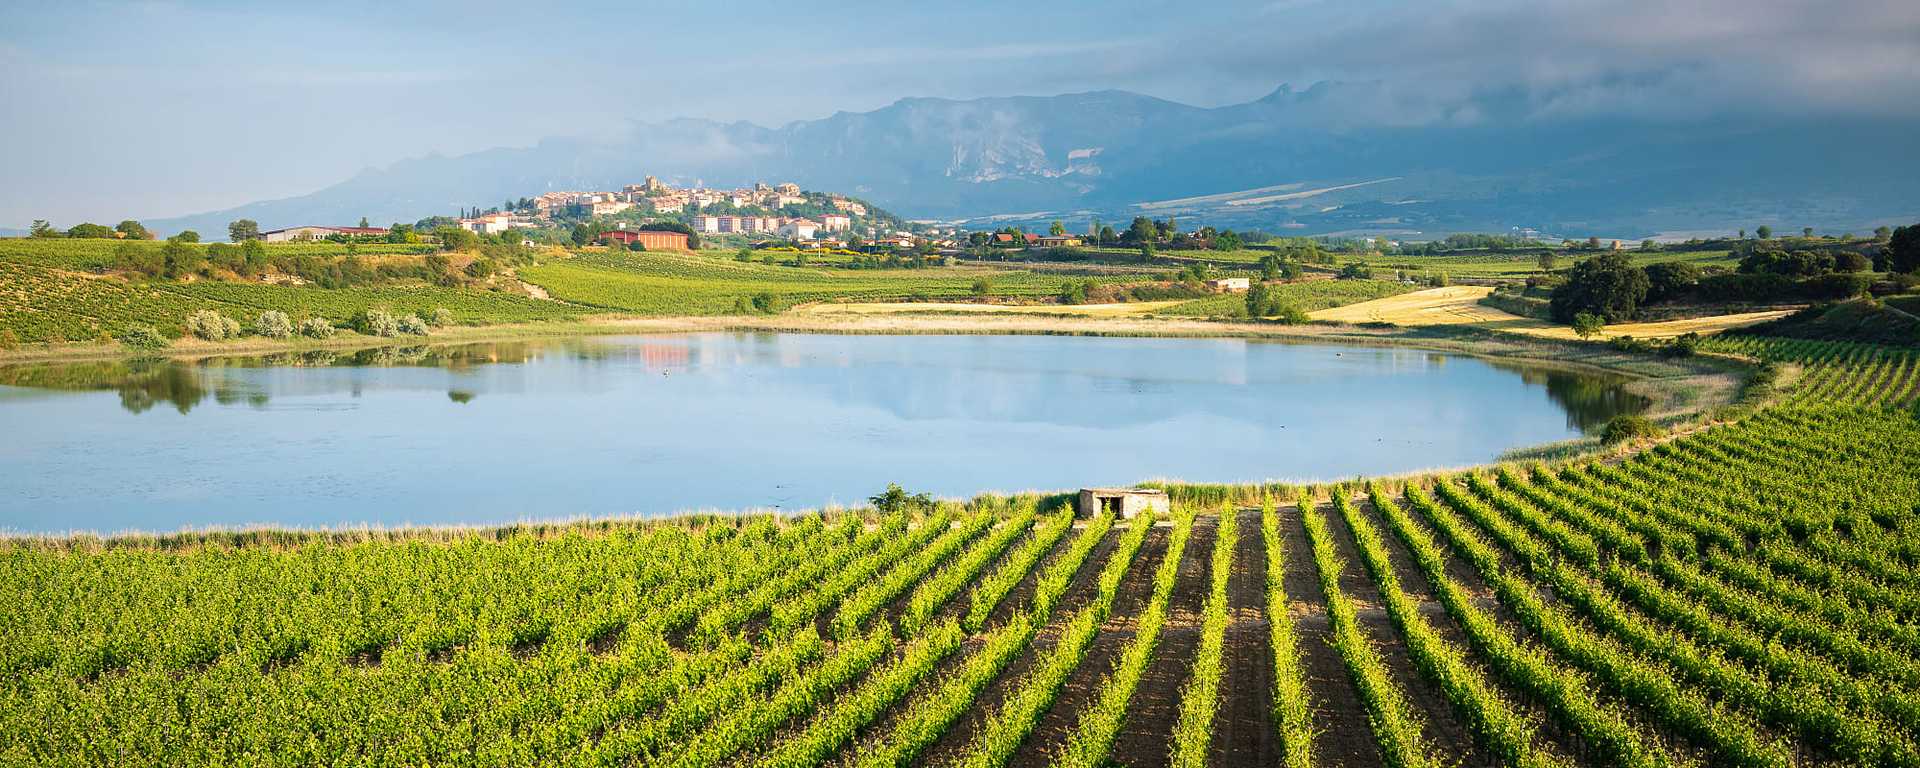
1333,158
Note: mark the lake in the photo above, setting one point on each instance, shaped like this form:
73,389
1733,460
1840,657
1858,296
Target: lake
493,433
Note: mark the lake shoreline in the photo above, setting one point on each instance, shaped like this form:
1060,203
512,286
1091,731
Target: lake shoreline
1682,392
1675,386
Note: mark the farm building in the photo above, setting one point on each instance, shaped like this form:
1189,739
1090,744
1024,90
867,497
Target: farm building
1127,501
291,234
654,241
1231,284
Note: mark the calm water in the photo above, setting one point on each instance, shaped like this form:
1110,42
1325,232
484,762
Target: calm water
502,432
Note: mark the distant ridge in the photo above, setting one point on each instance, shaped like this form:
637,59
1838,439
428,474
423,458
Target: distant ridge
1369,163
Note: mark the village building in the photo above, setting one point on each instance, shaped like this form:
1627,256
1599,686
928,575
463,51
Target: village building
295,234
650,239
1231,284
489,224
799,229
836,222
1059,241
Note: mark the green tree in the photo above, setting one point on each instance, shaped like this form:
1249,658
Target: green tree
182,258
1057,229
1586,325
90,230
1226,241
41,228
242,230
363,222
1548,261
1608,285
1806,232
457,239
255,254
1765,232
1879,233
1670,279
185,236
1142,231
1903,249
981,287
133,230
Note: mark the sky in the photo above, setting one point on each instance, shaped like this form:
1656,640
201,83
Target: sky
111,110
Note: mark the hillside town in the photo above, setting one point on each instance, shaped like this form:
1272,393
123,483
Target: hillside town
762,213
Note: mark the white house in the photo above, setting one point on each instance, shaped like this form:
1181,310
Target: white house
490,224
799,229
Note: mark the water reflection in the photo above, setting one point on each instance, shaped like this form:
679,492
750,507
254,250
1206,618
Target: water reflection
666,423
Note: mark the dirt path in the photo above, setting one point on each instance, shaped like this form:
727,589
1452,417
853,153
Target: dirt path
1343,737
1243,732
1415,583
1081,592
1081,686
1146,735
1441,727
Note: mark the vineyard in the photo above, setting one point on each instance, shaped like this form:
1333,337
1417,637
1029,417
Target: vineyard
693,284
1307,296
1742,595
49,305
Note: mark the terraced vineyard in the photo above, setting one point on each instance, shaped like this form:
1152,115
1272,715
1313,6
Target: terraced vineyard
1747,595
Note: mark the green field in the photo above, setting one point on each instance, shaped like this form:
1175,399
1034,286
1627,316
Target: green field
1308,296
707,284
1748,594
96,254
48,305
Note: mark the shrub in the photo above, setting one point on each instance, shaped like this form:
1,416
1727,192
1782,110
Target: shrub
142,337
273,324
212,326
316,328
1629,344
480,269
1627,428
374,322
412,325
767,303
1684,345
981,287
9,339
440,318
1356,271
1838,285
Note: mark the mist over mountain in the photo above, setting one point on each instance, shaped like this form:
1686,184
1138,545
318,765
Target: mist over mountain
1326,159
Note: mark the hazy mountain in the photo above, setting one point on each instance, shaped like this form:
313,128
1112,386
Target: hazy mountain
1329,158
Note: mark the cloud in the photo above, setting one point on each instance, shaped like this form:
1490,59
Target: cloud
1582,58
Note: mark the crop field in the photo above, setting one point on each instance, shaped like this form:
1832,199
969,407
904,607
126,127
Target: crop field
1744,595
661,283
1308,295
1518,265
52,305
95,254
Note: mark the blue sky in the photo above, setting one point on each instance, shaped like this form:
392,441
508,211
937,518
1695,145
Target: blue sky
150,109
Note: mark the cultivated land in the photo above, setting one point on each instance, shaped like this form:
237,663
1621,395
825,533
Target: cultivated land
1459,305
1743,594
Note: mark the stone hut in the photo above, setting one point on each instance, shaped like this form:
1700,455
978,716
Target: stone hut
1127,501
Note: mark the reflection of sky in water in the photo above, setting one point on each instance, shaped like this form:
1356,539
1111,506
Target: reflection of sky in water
492,433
